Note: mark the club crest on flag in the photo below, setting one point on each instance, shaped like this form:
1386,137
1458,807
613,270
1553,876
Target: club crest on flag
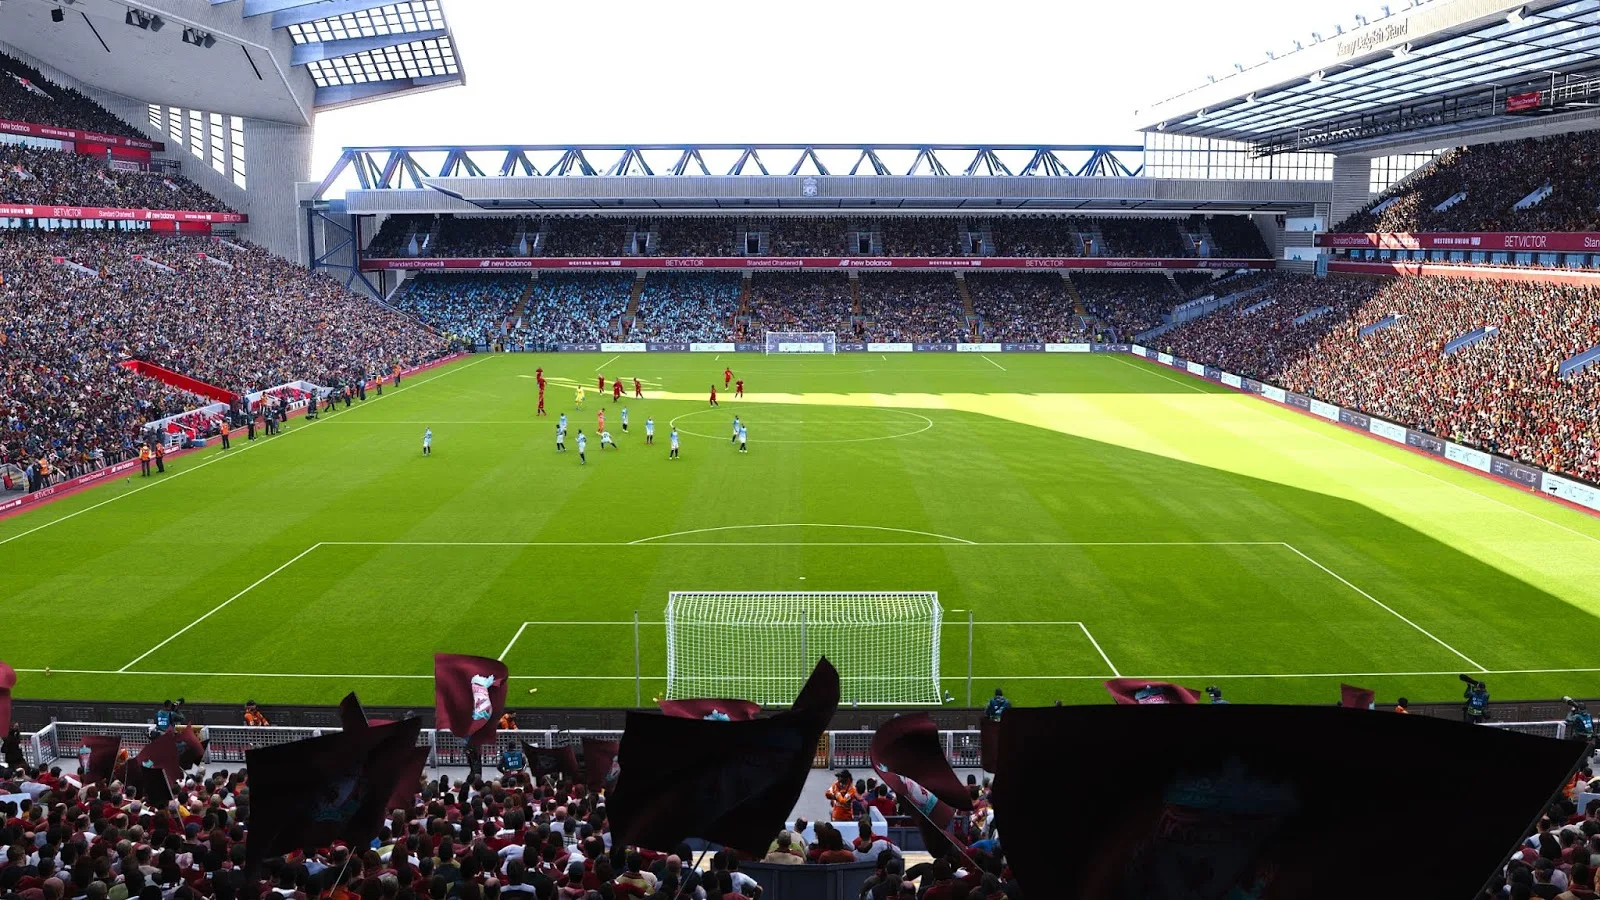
340,798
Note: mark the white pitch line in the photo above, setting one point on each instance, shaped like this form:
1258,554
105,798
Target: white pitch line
993,363
942,537
608,362
220,606
651,542
1158,374
1109,664
1391,610
513,642
228,455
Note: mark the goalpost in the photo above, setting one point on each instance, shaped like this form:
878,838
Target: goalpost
801,342
762,646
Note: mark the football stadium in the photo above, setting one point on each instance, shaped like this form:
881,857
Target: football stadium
1143,518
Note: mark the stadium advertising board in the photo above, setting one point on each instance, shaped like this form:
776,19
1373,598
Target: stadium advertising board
1232,380
838,348
670,347
1067,348
72,134
809,262
1387,430
1196,369
1354,420
1527,476
978,348
1466,456
926,348
1515,241
711,348
1326,410
1573,491
1524,101
1165,357
1023,348
1275,393
622,348
43,211
1138,350
889,348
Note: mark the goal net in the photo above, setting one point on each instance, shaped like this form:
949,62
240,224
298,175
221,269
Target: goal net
800,342
762,646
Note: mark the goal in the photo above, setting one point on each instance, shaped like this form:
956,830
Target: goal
763,646
800,342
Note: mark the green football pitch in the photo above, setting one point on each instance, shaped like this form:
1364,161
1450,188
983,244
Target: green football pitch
1094,515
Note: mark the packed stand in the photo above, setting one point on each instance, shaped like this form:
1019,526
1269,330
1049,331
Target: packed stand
687,307
393,237
924,236
260,323
792,236
1142,237
593,236
55,177
912,308
1129,302
1502,394
572,307
1039,237
710,236
467,309
1025,307
51,103
1194,284
1233,237
785,301
478,236
1495,177
1258,336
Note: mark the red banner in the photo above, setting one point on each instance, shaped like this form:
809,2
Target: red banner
1513,241
1523,102
812,263
40,211
1463,270
72,134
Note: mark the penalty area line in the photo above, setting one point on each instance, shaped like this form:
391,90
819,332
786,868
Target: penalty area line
993,363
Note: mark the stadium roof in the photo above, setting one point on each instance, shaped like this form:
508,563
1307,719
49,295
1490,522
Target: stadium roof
1434,71
278,60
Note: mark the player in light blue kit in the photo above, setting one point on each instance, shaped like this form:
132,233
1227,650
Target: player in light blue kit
624,420
744,436
583,443
735,438
427,442
649,430
562,422
674,453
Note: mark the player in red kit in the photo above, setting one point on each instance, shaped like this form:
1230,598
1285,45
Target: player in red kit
616,390
539,373
602,384
713,395
540,411
638,389
727,377
738,388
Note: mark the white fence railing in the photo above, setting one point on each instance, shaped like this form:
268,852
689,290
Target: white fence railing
228,743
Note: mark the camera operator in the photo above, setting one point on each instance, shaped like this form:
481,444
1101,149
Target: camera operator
169,716
1580,725
1476,709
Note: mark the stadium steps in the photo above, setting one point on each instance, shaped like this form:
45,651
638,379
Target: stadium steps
1077,299
966,296
520,309
633,298
855,294
744,295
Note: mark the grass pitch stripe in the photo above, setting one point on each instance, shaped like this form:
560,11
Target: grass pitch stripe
1391,610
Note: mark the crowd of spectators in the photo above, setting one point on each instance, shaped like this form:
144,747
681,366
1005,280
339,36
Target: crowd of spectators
43,102
32,175
686,307
585,236
1040,236
1130,302
507,837
804,236
917,308
1233,237
1503,394
920,236
801,301
1025,307
1493,178
468,309
700,236
577,307
236,317
482,236
1143,237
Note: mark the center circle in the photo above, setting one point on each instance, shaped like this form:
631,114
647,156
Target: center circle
786,418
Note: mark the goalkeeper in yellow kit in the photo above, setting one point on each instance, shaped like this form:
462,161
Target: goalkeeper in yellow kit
578,400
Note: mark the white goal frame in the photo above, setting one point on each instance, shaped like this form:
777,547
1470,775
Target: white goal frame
802,342
762,645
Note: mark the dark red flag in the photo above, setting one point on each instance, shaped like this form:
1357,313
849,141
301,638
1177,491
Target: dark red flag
600,767
1139,692
160,754
331,788
191,750
731,783
155,789
1352,697
712,708
97,755
8,680
988,744
352,715
907,755
1188,803
558,761
469,694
